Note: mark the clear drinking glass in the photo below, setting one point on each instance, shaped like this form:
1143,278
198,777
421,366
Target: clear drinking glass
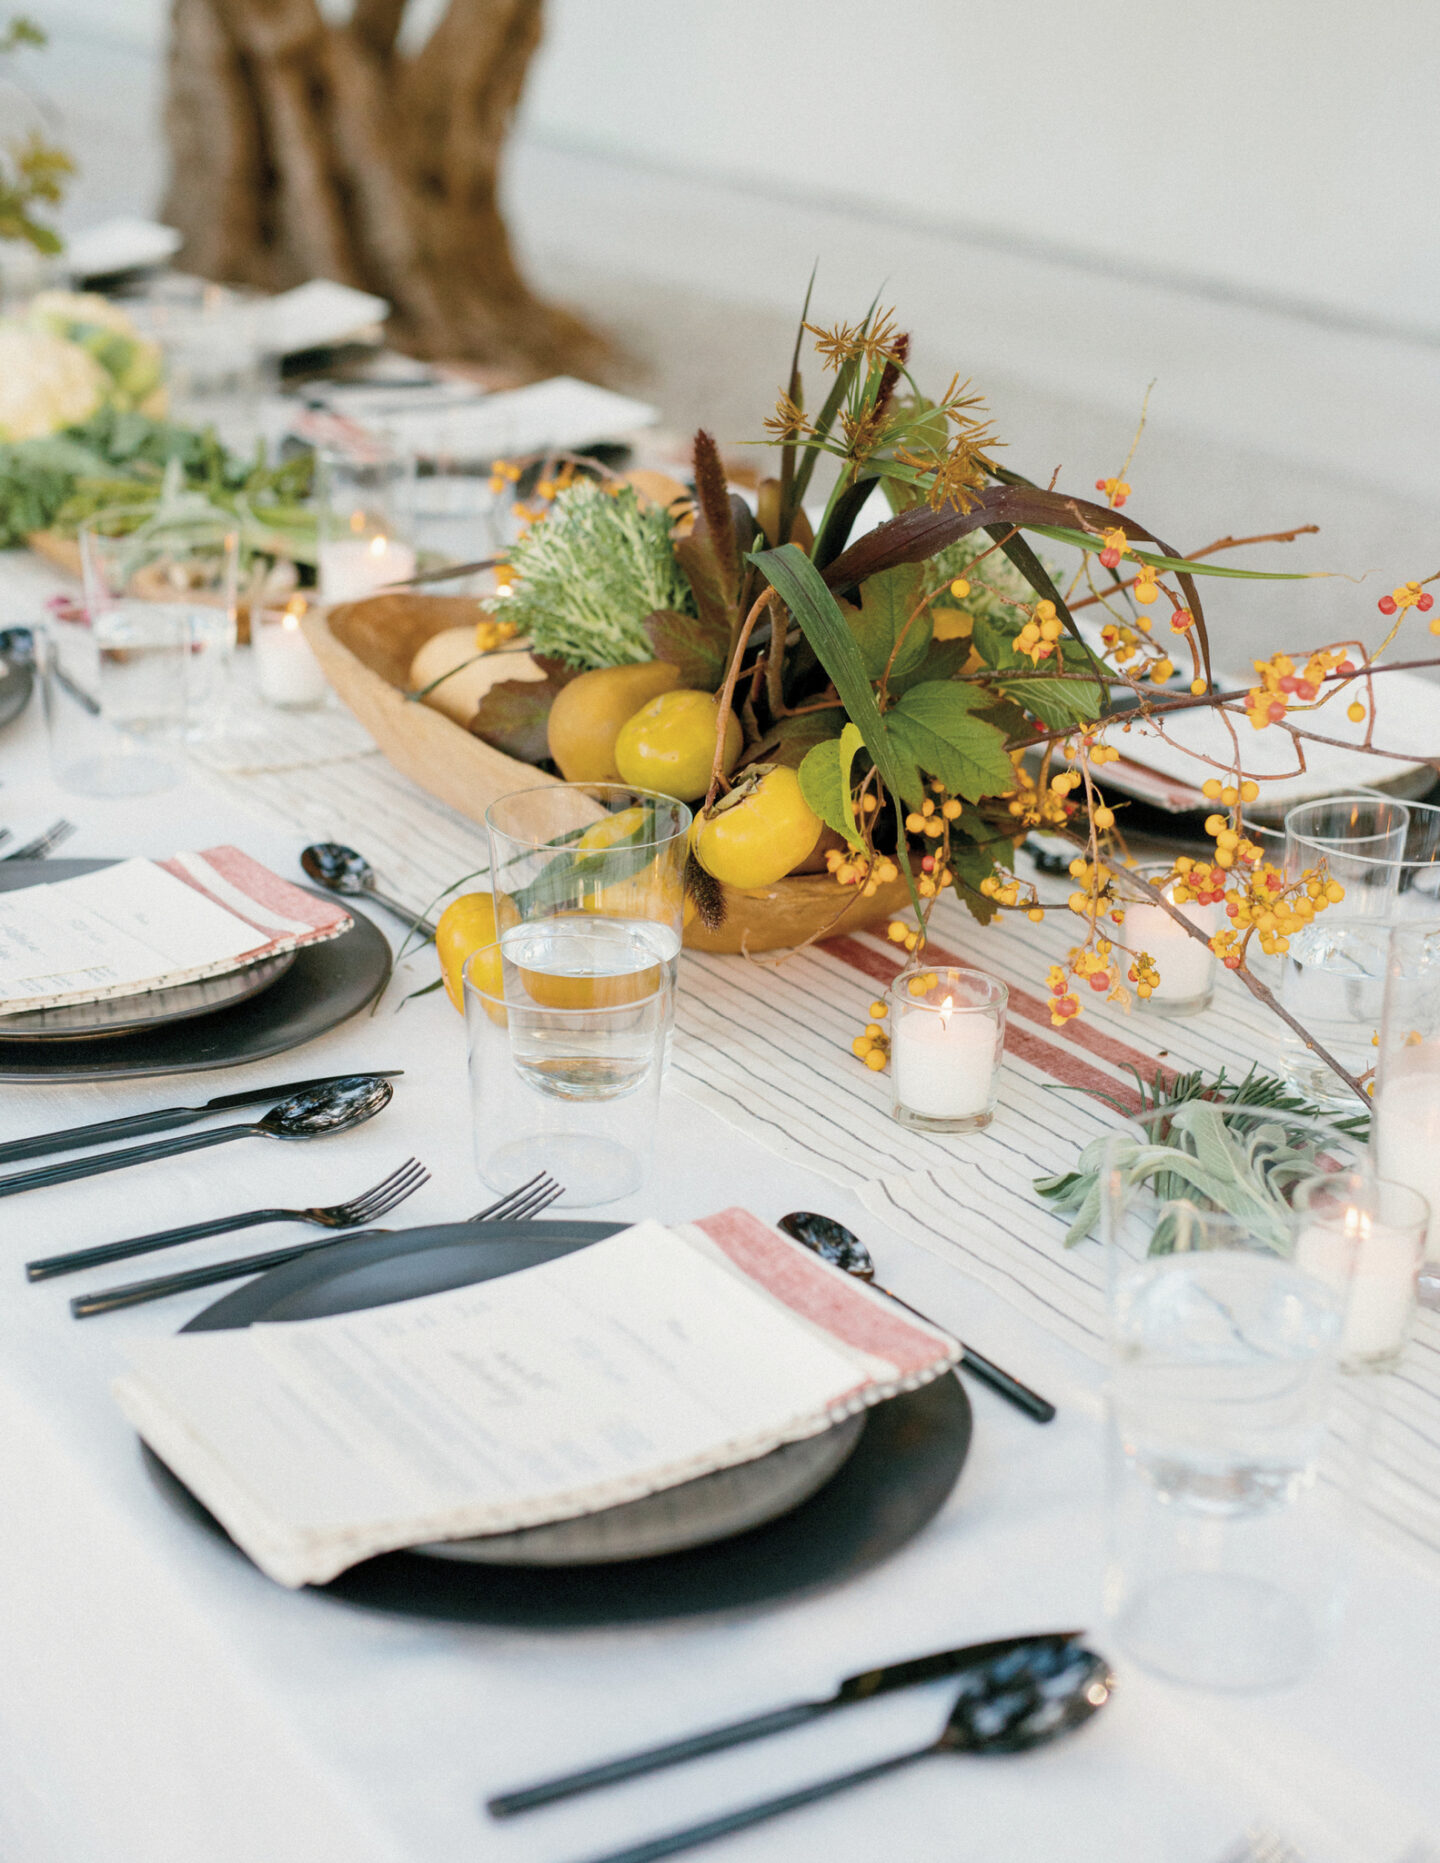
160,580
1333,975
947,1040
566,1054
1230,1487
365,515
596,848
215,367
1186,967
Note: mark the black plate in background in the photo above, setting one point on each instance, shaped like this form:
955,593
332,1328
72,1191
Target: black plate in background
325,985
896,1480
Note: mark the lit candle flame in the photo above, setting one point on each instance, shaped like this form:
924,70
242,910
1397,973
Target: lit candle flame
945,1008
378,546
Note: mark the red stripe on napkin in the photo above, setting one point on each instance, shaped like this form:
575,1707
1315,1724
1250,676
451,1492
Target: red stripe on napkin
268,892
824,1295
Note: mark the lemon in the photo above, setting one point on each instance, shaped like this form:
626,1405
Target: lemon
467,925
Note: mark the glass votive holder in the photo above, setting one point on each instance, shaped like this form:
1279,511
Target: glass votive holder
1405,1128
1364,1236
566,1024
1186,966
364,501
597,848
286,669
947,1035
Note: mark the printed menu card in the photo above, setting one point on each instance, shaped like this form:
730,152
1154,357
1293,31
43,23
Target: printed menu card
146,925
611,1373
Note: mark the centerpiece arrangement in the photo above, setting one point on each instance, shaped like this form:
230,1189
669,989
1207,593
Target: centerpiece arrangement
863,721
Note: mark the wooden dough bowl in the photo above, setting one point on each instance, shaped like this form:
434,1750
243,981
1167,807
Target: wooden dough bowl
365,649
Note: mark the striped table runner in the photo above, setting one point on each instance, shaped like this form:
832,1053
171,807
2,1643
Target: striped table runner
765,1045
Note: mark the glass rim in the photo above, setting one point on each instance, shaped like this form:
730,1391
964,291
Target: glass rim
1375,801
212,518
997,991
468,986
1307,1189
636,796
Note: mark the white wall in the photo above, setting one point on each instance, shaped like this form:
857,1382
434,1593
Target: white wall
1285,149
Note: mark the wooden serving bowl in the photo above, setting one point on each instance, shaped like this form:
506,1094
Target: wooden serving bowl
365,649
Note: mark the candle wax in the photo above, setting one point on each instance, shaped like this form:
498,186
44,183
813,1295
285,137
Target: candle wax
1187,967
1407,1141
353,567
289,673
943,1064
1375,1269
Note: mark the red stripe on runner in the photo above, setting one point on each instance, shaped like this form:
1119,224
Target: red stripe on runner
1036,1009
1055,1061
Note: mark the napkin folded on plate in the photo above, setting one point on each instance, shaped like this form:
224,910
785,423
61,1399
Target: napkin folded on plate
144,925
581,1383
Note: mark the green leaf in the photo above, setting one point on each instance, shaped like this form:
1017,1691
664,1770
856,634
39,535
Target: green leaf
970,866
887,602
934,726
799,585
1055,702
825,783
699,646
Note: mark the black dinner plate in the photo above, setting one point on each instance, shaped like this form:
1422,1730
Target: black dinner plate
907,1459
326,984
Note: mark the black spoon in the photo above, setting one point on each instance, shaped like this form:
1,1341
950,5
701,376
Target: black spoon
1038,1692
843,1249
347,1102
341,870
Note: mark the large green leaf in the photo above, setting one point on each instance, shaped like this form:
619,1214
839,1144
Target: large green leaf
825,783
943,660
800,586
935,727
1055,702
887,602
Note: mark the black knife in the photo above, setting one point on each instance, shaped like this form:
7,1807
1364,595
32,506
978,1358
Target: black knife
855,1688
167,1118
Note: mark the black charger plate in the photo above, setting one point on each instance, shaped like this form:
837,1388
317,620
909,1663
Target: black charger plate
898,1476
326,984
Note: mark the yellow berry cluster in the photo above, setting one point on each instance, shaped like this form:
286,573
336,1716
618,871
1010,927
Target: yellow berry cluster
1091,965
1036,805
857,867
1265,907
1095,889
1038,636
1143,974
503,473
898,932
928,820
1116,491
1281,686
873,1047
490,635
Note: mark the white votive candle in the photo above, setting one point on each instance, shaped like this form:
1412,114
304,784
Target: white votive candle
1407,1140
947,1032
353,567
1186,965
289,673
1373,1264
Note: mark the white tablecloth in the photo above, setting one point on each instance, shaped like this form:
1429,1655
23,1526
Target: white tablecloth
160,1702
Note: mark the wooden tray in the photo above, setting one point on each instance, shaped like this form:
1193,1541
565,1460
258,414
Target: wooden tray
366,648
